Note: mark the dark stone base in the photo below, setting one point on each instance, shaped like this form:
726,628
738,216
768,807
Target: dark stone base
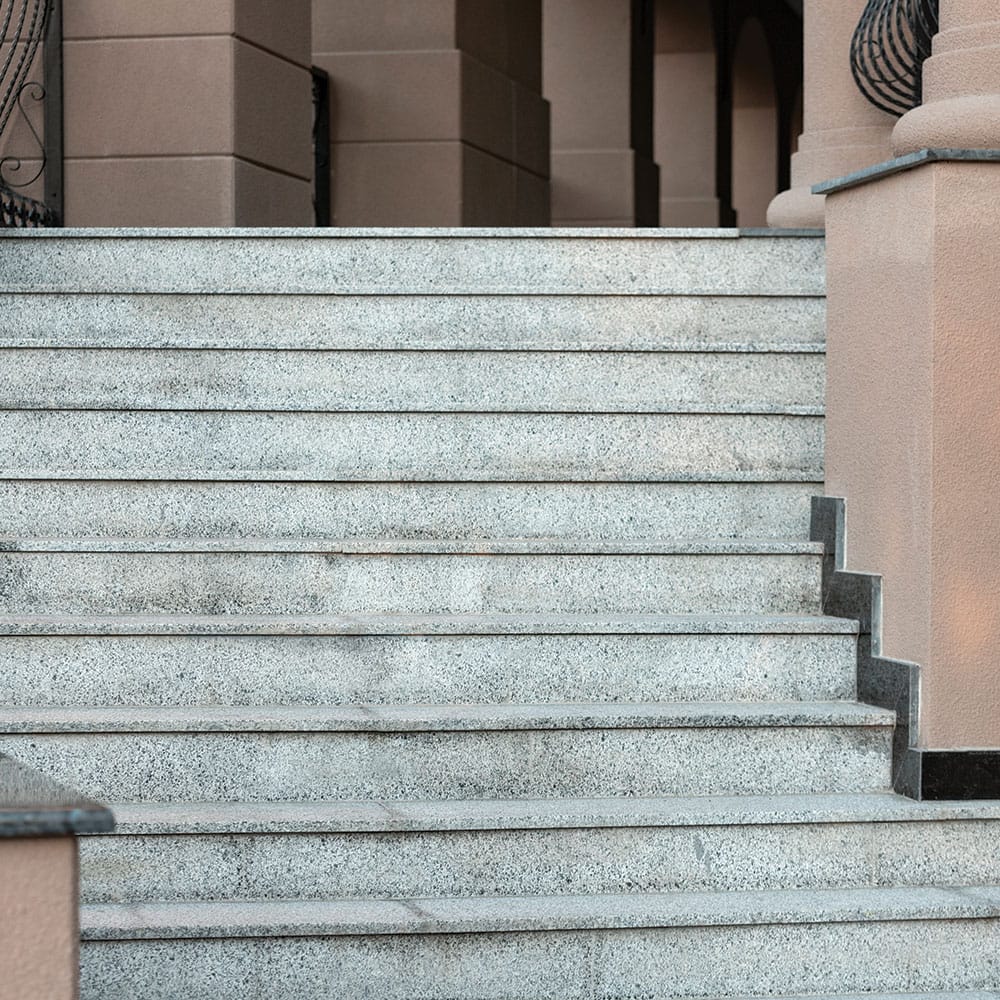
894,684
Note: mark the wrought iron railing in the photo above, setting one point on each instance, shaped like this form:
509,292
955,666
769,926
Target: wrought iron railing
890,44
26,26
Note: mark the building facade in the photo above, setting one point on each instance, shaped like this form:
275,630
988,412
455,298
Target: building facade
502,492
441,113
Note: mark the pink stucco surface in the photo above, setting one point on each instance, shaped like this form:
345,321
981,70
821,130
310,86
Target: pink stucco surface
39,931
913,426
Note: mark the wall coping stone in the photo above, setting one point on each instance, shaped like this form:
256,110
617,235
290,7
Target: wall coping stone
32,805
900,163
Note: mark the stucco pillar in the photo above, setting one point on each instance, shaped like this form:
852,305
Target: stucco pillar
194,113
961,108
684,113
755,128
40,930
39,883
913,426
438,118
598,61
842,132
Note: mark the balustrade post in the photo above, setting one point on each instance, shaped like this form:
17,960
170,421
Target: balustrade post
961,108
842,131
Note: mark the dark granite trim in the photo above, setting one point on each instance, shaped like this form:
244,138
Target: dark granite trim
32,805
757,233
908,162
894,684
959,774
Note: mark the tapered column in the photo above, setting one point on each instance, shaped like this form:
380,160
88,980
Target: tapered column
842,131
961,108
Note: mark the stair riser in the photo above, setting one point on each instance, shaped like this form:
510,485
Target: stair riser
528,669
405,447
421,322
306,584
412,380
661,963
405,510
124,869
177,767
340,263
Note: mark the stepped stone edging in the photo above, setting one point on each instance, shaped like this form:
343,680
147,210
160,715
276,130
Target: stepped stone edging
918,772
32,805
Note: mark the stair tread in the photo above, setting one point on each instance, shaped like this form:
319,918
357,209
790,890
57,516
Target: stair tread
381,624
428,546
949,995
442,718
111,921
383,816
418,261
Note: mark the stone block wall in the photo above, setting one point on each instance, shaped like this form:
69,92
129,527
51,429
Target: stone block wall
193,113
438,117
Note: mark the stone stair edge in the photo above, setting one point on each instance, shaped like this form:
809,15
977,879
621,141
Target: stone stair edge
791,348
251,477
949,995
358,625
415,232
416,816
550,545
109,922
394,718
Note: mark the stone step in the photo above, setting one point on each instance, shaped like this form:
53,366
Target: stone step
650,945
416,262
417,577
384,850
621,322
455,752
368,624
198,510
438,447
429,381
937,995
377,665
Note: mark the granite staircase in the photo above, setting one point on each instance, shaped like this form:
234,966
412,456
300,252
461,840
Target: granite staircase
438,615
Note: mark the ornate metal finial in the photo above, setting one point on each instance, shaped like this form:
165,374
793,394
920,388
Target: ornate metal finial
23,27
890,44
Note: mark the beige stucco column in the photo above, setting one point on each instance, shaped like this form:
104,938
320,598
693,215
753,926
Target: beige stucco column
40,929
684,113
913,355
438,118
913,426
194,113
961,108
842,132
39,883
598,69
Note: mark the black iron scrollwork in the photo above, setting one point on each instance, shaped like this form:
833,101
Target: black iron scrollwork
23,28
890,45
